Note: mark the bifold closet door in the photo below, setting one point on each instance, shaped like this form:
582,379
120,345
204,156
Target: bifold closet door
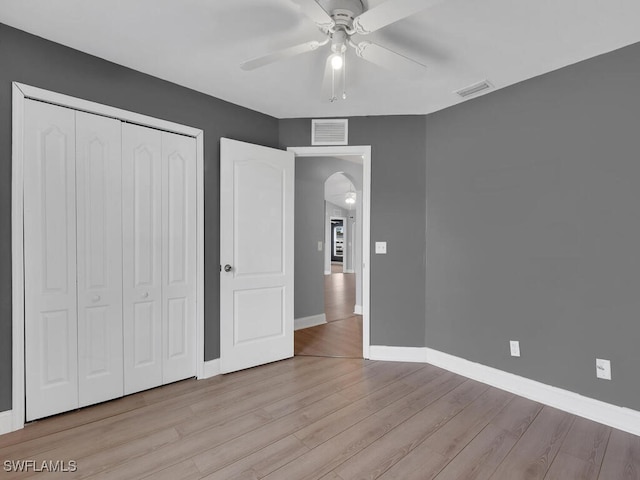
142,257
109,258
159,253
178,256
99,258
51,351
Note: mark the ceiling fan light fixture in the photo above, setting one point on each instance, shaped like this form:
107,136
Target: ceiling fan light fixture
339,20
337,61
350,198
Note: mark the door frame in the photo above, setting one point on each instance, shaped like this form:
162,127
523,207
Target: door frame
363,151
20,93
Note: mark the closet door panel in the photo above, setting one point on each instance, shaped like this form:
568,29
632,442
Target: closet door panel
178,256
50,260
99,210
142,257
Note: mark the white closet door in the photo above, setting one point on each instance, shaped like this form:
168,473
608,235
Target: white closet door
142,257
98,172
178,256
50,260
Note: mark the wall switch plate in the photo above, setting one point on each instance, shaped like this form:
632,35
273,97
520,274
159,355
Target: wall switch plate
603,369
381,248
319,246
514,346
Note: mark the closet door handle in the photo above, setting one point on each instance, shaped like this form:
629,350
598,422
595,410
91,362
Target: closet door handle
228,268
145,294
95,298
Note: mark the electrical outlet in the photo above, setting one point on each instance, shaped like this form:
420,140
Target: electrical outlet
381,248
603,369
514,346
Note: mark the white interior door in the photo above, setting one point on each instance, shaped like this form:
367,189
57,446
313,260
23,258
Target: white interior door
50,260
142,254
178,257
99,258
256,252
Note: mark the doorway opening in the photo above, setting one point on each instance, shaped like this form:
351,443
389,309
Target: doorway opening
332,183
337,232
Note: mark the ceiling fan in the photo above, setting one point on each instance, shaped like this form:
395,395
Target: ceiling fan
340,21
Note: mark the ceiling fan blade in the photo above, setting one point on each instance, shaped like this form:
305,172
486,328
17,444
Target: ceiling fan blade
389,59
282,54
389,12
316,13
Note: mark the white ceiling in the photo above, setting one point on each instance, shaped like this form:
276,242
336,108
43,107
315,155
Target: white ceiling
201,43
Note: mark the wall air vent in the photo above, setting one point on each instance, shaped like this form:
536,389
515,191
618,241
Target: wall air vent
474,89
329,131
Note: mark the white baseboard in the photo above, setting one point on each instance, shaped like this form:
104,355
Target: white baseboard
614,416
211,369
397,354
357,309
311,321
327,272
6,422
348,270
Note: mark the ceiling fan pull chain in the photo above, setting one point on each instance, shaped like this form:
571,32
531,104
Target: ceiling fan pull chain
344,76
333,86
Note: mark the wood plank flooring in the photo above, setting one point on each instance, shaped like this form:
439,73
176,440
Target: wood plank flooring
339,294
341,336
329,419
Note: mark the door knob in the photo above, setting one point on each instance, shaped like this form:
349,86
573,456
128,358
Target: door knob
228,268
145,294
95,298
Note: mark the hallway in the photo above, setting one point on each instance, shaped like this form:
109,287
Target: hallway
341,336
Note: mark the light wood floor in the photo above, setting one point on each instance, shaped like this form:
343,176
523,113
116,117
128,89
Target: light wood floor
341,336
339,294
329,419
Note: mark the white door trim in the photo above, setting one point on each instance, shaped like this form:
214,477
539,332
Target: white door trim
365,152
20,93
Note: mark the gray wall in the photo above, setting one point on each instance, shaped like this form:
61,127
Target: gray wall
533,227
34,61
397,216
311,173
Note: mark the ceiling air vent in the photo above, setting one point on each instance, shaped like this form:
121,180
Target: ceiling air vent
475,88
329,131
